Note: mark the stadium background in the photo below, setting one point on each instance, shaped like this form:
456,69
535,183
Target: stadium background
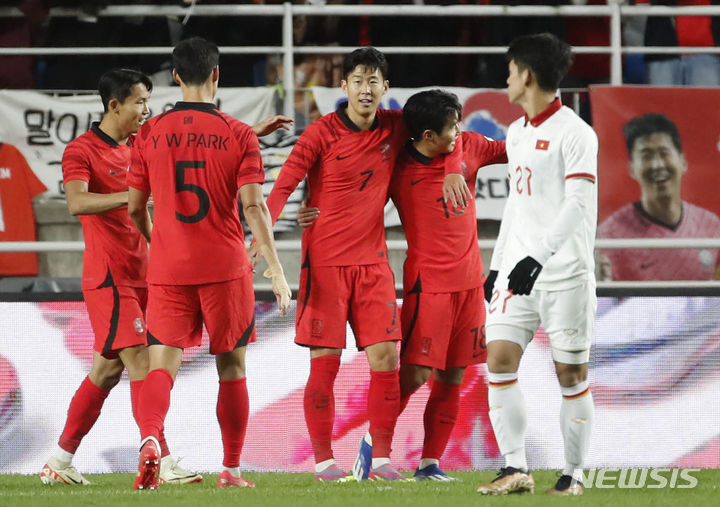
654,367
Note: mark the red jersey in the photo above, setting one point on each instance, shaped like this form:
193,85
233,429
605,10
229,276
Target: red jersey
348,171
442,240
631,221
18,185
194,158
115,251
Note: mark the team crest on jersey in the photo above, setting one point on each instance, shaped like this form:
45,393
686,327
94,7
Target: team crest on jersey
317,327
426,345
385,151
541,144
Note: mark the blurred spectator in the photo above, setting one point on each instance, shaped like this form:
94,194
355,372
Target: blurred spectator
695,31
19,71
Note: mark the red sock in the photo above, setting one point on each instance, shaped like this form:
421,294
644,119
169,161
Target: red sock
233,408
135,388
154,402
383,410
319,404
440,416
83,411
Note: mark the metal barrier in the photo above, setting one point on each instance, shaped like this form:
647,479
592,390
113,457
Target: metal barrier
614,11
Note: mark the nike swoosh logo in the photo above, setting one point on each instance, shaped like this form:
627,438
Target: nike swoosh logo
343,158
416,181
113,173
388,331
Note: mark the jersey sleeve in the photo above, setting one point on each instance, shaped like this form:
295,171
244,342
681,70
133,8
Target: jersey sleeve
482,151
138,174
578,207
32,183
303,156
580,152
251,167
75,164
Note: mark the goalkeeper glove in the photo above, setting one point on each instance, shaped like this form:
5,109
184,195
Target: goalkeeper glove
489,284
522,278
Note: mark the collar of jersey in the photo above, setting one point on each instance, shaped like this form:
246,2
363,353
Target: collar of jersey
638,207
415,154
554,107
197,106
342,114
95,127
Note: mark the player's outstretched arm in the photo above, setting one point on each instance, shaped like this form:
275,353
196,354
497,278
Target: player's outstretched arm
258,219
82,202
271,124
137,209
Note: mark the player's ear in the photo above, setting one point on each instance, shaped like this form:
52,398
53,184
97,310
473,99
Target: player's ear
176,77
683,161
343,86
216,73
114,105
428,135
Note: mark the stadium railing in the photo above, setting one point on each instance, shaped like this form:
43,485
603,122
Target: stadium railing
605,288
614,11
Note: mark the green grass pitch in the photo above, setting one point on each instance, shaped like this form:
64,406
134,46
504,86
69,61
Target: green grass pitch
300,490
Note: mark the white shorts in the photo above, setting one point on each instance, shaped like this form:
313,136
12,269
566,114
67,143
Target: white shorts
567,316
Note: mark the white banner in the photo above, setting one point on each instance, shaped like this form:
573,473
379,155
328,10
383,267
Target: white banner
653,372
485,111
41,125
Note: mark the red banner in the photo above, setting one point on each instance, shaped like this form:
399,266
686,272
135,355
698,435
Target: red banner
693,110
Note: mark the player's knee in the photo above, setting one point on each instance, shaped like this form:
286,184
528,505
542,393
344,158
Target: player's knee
450,376
413,376
571,374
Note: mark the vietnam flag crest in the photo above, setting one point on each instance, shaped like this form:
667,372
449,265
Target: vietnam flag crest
542,145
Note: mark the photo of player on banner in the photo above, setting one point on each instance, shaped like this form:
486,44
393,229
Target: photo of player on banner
656,161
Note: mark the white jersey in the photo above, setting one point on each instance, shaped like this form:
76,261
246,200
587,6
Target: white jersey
551,212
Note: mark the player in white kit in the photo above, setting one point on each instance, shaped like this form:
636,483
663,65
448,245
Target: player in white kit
542,268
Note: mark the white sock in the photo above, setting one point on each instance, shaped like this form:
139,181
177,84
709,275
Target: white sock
378,462
426,462
368,438
508,417
576,417
61,458
323,465
234,471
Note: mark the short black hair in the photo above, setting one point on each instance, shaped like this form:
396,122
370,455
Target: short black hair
118,84
546,56
431,109
648,124
369,58
194,59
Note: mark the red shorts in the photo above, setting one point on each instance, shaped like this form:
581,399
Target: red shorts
117,317
176,314
330,297
444,330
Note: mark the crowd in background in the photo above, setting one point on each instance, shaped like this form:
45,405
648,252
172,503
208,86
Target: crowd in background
38,29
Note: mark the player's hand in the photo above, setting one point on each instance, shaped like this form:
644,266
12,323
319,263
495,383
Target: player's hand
455,190
254,253
489,284
279,287
307,216
271,124
522,278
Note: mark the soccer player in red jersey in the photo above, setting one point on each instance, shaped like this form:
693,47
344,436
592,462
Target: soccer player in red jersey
95,169
658,164
443,313
348,158
195,159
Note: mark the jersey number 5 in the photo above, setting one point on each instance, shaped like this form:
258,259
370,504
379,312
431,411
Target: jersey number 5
182,186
